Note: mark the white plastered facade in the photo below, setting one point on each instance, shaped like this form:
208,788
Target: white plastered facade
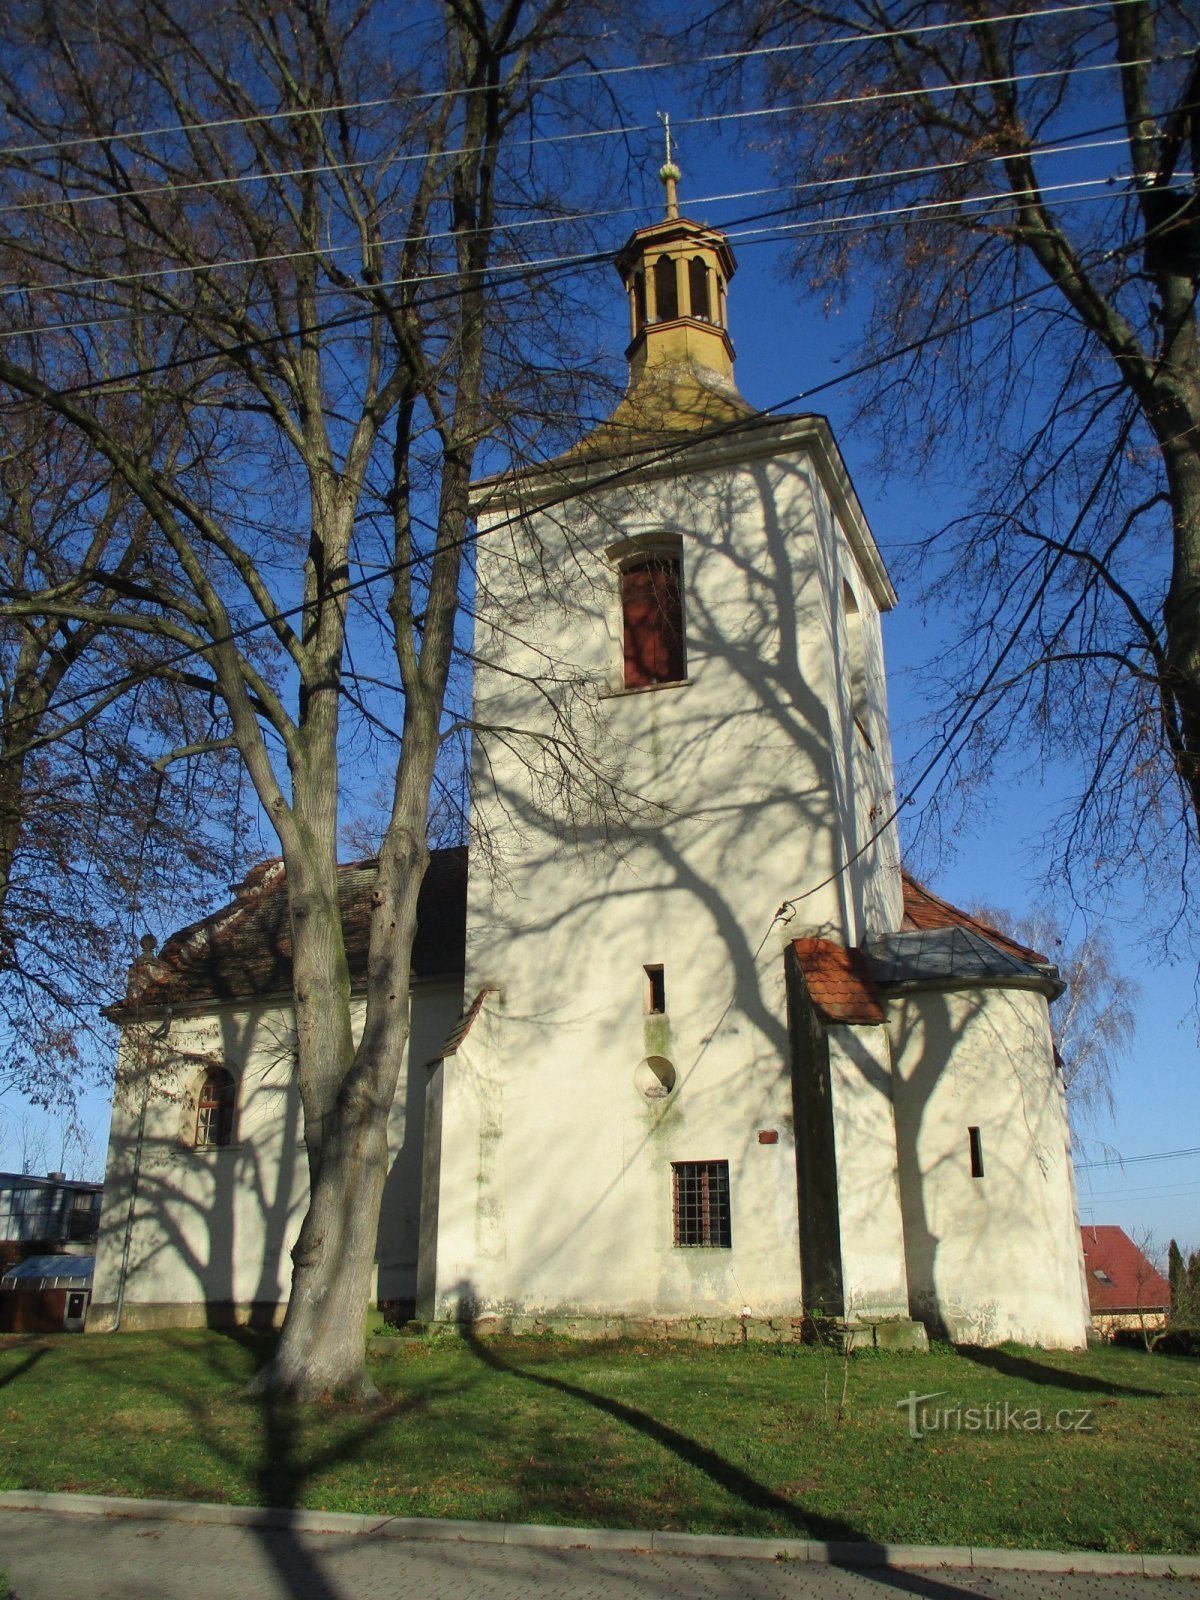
196,1235
693,828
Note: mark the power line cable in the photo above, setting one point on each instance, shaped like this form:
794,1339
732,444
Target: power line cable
1076,145
718,58
659,456
1130,1161
624,131
518,271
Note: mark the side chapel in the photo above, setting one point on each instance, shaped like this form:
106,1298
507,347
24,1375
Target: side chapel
687,1043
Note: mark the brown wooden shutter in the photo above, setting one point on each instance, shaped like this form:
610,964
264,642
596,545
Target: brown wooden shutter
652,607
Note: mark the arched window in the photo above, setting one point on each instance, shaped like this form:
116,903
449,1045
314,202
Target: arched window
698,288
666,289
856,648
652,620
214,1109
639,302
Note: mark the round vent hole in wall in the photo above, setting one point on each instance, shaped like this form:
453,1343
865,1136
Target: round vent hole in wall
655,1078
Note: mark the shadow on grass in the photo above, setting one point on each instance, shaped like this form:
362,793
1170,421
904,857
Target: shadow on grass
1028,1370
22,1367
287,1460
727,1476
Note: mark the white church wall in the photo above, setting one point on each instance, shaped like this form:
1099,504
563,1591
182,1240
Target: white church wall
212,1226
874,1280
860,719
729,788
992,1257
555,1185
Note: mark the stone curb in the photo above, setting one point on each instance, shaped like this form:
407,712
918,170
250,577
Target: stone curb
546,1536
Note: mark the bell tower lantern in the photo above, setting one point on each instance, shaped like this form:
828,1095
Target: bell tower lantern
676,273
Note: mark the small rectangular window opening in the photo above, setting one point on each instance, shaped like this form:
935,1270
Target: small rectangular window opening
700,1196
976,1144
652,621
656,991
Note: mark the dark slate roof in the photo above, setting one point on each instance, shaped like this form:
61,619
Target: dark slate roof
1120,1277
838,982
245,949
947,957
940,944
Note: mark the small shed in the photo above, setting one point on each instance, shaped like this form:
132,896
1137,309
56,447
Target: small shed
46,1294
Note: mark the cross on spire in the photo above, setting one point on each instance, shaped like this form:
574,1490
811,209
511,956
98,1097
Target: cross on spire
669,172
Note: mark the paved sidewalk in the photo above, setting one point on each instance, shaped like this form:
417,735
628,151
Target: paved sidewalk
56,1554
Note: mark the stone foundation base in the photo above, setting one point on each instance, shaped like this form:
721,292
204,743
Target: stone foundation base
139,1317
891,1335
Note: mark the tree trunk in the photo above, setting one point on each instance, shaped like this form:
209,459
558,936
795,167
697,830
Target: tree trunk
321,1350
1181,607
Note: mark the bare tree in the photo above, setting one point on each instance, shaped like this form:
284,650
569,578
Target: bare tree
1094,1020
1015,193
332,220
95,840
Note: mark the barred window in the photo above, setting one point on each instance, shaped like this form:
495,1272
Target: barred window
701,1203
214,1111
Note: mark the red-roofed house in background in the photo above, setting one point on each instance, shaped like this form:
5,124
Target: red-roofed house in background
687,1043
1125,1288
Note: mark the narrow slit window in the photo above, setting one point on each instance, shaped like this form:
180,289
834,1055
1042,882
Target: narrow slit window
652,618
666,289
656,991
639,302
700,1193
976,1146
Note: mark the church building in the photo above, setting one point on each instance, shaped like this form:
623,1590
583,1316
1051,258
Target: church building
689,1048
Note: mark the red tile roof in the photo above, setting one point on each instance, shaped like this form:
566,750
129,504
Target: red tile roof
924,909
1129,1281
839,983
245,949
458,1033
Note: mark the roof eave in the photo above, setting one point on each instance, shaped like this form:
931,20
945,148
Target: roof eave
1039,984
528,489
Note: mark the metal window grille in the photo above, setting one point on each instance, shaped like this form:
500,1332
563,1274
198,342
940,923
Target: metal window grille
701,1203
214,1114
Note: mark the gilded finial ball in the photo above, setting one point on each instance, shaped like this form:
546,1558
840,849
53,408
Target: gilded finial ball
669,170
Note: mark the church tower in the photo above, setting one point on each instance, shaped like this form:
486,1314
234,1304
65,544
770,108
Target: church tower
720,1059
680,723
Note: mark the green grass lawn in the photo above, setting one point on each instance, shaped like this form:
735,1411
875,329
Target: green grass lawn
737,1440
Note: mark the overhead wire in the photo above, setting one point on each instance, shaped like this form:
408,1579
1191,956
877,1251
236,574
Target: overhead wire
1130,1161
1062,145
999,201
113,196
657,457
717,58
